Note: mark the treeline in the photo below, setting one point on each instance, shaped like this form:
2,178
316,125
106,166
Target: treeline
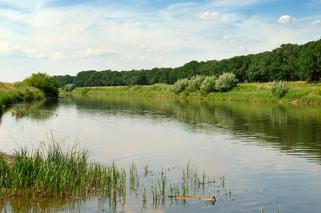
289,62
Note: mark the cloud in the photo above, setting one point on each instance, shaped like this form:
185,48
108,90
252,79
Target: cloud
219,17
6,48
90,36
316,22
285,19
234,3
57,56
92,52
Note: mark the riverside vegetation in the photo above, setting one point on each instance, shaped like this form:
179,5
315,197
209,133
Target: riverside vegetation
297,64
300,92
51,172
38,86
289,62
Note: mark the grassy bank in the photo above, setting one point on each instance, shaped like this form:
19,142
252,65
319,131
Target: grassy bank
299,93
13,93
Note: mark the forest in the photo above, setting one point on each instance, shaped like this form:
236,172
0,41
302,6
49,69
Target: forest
289,62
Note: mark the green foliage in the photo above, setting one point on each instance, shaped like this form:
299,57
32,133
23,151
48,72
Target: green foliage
69,87
194,84
18,92
289,62
226,82
208,85
43,82
4,171
63,80
180,85
280,88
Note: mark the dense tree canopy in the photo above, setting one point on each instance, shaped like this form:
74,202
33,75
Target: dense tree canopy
289,62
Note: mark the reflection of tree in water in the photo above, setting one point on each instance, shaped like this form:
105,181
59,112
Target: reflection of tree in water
292,129
40,110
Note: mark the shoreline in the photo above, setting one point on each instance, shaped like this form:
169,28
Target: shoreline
300,93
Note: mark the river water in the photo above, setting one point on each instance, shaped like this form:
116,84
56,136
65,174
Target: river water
269,155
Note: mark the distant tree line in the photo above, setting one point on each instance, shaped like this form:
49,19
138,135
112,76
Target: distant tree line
289,62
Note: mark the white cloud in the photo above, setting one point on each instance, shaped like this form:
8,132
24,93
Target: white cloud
56,56
106,37
6,48
92,52
234,3
285,19
316,22
219,17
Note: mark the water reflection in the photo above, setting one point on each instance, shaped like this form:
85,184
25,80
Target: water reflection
32,204
292,129
253,144
40,110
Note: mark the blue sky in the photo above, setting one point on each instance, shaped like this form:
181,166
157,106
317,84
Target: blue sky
67,36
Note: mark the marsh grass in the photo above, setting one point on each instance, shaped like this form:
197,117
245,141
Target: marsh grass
53,172
133,177
50,171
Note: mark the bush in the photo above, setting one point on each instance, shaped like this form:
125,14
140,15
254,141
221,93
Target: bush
69,87
180,85
279,88
226,82
195,83
208,84
43,82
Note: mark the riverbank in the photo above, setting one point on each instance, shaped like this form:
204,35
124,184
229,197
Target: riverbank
302,93
12,93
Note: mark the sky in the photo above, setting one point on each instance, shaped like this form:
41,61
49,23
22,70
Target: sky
68,36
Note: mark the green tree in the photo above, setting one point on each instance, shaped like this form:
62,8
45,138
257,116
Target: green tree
43,82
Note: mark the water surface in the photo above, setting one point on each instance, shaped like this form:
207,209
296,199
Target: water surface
269,154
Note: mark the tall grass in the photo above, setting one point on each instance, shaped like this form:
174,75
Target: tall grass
53,172
11,94
50,171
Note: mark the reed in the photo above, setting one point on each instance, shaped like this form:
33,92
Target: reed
50,171
133,177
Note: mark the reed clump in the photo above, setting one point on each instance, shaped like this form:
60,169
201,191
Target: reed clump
50,171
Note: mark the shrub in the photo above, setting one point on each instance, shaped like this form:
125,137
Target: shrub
180,85
43,82
226,82
279,88
195,82
69,87
208,84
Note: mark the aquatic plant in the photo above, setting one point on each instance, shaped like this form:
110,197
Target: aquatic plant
50,171
146,170
133,177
